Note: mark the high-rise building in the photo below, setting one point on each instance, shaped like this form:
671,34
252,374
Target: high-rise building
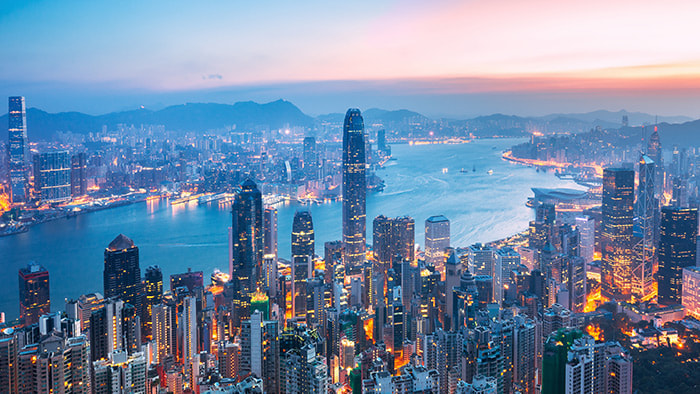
526,342
34,297
506,260
8,363
654,152
247,231
190,279
481,260
393,239
18,150
260,353
122,274
691,291
52,176
310,158
78,175
163,332
188,322
644,229
270,231
586,240
303,250
354,189
107,329
677,249
616,232
437,239
153,295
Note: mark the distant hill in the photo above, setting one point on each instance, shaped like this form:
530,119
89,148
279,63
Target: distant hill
187,117
376,115
603,117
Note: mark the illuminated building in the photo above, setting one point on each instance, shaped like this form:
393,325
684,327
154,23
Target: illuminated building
453,272
107,329
303,250
260,350
654,152
153,295
120,374
555,318
554,359
260,302
315,302
18,147
480,385
229,359
691,291
78,175
393,239
270,282
586,245
465,301
162,332
52,176
506,260
616,233
190,279
538,234
677,250
645,211
576,281
247,233
525,345
413,379
597,367
188,327
442,352
481,260
310,158
437,239
270,232
34,297
354,189
122,274
8,363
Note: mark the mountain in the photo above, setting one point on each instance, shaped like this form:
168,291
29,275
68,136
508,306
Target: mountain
185,117
603,117
377,115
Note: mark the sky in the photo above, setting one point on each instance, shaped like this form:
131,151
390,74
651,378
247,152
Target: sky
440,57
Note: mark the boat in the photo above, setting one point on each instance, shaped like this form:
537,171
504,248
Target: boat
474,168
489,172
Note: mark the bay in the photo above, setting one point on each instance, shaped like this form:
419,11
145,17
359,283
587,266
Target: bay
422,181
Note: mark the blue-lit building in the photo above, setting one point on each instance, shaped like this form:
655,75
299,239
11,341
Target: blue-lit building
52,176
18,150
354,189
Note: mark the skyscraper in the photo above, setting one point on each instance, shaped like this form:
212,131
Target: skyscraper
153,295
190,279
310,158
188,323
34,299
270,231
354,189
18,150
78,175
303,249
644,246
122,274
247,230
677,250
162,331
616,233
655,153
393,238
586,241
52,180
260,352
437,239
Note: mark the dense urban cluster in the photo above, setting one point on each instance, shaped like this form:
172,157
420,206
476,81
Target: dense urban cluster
559,309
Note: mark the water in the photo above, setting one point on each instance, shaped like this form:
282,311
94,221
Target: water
481,208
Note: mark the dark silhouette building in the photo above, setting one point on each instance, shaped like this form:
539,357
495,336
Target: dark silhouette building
354,189
677,250
393,239
78,175
310,158
303,250
616,232
247,232
34,298
122,274
190,279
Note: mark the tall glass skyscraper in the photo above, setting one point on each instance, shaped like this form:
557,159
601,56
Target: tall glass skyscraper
247,231
677,250
122,274
354,189
18,149
616,234
437,239
52,172
644,246
302,259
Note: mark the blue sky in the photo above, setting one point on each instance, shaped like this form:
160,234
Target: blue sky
455,58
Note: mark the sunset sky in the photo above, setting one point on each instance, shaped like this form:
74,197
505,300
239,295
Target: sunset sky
452,58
